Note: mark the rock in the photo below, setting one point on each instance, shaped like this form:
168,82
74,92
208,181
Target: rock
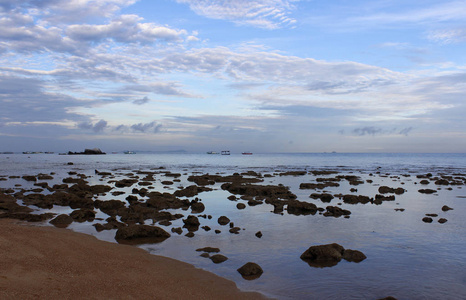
386,190
442,220
178,230
353,255
217,231
335,211
235,230
259,234
355,199
427,191
218,258
446,208
197,207
240,206
297,207
432,215
208,249
250,271
83,215
206,255
140,234
191,223
191,191
125,182
324,255
427,220
61,221
223,220
206,228
189,234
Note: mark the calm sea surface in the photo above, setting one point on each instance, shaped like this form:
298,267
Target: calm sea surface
406,258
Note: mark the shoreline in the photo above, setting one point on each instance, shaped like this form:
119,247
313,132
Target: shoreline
52,263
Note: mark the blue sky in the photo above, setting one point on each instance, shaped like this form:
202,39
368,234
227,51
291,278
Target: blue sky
262,76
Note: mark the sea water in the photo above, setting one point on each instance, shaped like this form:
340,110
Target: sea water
406,258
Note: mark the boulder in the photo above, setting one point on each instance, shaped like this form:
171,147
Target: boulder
240,206
353,255
223,220
83,215
297,207
330,255
191,223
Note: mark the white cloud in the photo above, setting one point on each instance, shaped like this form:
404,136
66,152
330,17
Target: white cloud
269,14
448,36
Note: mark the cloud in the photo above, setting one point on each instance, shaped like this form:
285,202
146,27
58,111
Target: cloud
371,130
268,14
124,29
152,127
141,101
448,36
97,127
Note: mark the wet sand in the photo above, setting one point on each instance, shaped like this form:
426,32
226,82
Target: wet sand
53,263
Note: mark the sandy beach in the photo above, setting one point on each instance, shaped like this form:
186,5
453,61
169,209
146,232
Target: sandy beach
53,263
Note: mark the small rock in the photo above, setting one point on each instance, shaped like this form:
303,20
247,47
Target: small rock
427,220
442,220
259,234
62,221
218,258
208,249
446,208
223,220
250,271
240,206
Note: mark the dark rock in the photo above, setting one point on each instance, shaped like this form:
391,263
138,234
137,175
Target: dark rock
141,234
61,221
442,220
29,178
240,206
353,255
197,207
355,199
427,191
191,191
324,255
386,190
218,258
432,215
206,228
165,223
254,190
259,234
217,231
83,215
125,182
424,181
250,271
178,230
235,230
208,249
189,234
167,182
254,202
297,207
427,220
223,220
335,211
191,223
446,208
206,255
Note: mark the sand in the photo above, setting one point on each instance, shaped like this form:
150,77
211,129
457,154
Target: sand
51,263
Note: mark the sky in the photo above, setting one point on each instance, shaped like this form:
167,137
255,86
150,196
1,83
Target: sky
238,75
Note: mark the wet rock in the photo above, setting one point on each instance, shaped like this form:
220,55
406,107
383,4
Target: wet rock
263,191
258,234
424,181
355,199
432,215
83,215
208,249
335,211
254,202
29,178
167,182
223,220
126,182
329,255
109,207
318,186
297,207
191,223
197,207
165,223
161,201
189,234
232,198
178,230
293,173
235,230
140,234
218,258
240,206
353,255
427,220
191,191
217,231
250,271
442,220
24,216
44,177
206,255
386,190
61,221
206,228
399,209
132,199
427,191
446,208
323,197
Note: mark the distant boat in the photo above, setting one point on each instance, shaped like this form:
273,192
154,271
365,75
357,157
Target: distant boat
129,152
247,153
225,152
212,152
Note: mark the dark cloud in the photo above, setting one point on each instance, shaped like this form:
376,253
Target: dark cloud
97,127
152,127
371,130
141,101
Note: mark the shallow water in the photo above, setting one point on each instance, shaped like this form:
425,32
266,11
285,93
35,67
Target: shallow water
406,258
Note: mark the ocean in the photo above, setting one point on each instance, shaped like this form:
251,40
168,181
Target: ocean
407,258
